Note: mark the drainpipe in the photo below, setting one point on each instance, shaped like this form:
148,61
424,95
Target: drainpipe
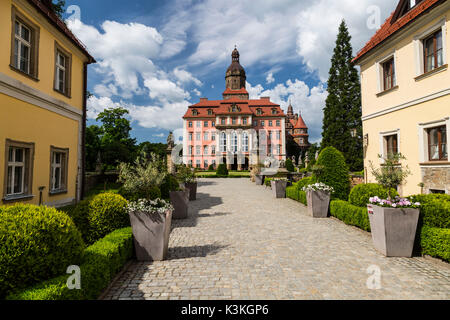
83,133
41,190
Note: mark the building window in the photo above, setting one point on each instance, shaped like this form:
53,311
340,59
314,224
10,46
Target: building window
255,123
278,123
234,142
198,136
223,142
274,111
270,135
59,170
245,142
388,74
191,150
270,123
206,136
302,141
210,112
190,136
199,164
199,124
190,124
205,150
198,150
206,124
223,121
25,45
213,136
437,143
269,149
433,51
213,124
234,120
263,123
213,150
19,167
63,63
259,111
279,149
391,144
206,164
190,163
278,135
244,121
213,162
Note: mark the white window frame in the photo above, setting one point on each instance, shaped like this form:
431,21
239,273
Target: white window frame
26,43
13,164
234,142
380,71
54,167
424,156
198,150
223,142
60,67
245,142
206,136
419,50
205,150
383,146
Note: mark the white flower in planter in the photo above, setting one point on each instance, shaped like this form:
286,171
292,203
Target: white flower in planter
157,206
318,187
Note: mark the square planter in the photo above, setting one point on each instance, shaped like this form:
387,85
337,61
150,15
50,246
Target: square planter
192,189
259,180
318,203
180,202
151,234
279,189
393,230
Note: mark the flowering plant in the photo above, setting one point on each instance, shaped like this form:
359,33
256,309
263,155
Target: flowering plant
279,179
157,206
397,202
318,187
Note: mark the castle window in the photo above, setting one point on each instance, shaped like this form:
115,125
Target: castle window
223,142
278,123
210,112
234,142
259,111
25,45
274,111
223,121
195,112
245,142
234,120
244,121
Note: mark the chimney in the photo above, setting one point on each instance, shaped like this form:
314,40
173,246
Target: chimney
203,99
265,98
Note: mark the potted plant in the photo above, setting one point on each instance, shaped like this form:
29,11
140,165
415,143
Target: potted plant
318,198
189,180
279,187
151,221
393,221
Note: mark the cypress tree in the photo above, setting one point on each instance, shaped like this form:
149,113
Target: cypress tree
342,113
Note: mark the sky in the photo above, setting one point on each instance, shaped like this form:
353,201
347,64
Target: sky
156,58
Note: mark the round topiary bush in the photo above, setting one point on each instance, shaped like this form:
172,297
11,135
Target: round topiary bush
290,166
36,244
305,182
107,213
334,172
170,184
79,215
222,170
360,195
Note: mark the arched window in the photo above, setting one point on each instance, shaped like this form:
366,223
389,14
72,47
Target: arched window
234,142
223,142
245,142
195,112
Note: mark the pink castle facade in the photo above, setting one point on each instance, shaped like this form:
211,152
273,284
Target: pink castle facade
236,131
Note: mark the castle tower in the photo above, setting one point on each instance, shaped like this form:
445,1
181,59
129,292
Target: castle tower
235,79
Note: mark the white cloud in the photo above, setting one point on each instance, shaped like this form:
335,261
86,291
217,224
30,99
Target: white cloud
197,92
159,135
185,77
97,105
307,101
270,79
165,90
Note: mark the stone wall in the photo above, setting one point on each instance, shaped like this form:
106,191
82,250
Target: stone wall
436,179
356,180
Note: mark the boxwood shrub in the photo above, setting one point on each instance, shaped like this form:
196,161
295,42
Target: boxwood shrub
360,194
290,166
350,214
222,170
169,184
36,243
436,242
100,263
296,194
79,215
334,173
305,182
107,212
435,210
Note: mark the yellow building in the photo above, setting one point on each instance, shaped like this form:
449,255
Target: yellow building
43,72
406,94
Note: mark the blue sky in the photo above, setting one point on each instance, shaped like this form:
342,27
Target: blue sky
155,58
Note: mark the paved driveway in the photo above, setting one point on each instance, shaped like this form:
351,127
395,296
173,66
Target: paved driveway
241,243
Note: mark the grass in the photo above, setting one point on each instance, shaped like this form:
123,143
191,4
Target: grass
232,174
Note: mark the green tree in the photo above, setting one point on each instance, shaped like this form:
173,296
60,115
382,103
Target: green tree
342,124
116,143
93,146
58,7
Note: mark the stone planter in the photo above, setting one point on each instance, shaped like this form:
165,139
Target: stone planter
318,203
151,234
192,189
180,202
279,189
259,180
393,230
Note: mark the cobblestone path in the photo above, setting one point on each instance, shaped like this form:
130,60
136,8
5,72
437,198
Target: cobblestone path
241,243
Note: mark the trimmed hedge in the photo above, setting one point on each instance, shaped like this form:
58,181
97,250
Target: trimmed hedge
107,212
334,172
101,262
436,242
79,215
169,184
304,182
435,210
296,194
290,166
360,194
222,170
350,214
36,243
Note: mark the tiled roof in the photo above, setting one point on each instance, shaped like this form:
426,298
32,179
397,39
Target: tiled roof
390,26
240,91
300,123
221,107
61,26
